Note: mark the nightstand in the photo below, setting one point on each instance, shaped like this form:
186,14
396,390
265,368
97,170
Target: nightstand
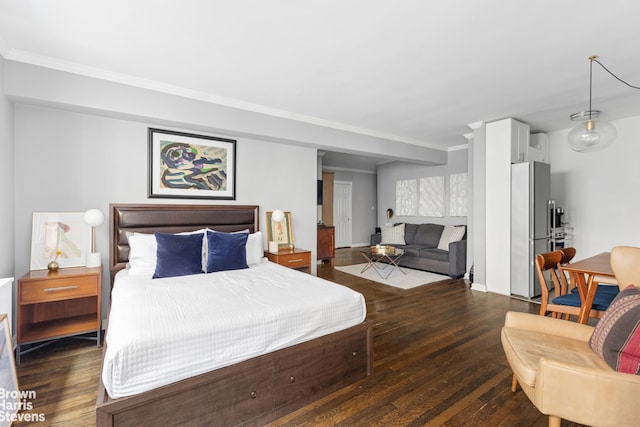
58,304
298,259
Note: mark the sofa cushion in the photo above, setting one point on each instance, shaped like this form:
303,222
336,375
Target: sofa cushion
435,254
616,337
428,235
450,234
410,233
602,300
524,348
393,235
411,250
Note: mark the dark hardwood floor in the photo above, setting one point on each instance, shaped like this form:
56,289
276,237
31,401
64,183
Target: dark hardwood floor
437,361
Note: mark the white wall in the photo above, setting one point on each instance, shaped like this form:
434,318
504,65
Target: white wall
599,190
7,173
70,162
7,213
389,173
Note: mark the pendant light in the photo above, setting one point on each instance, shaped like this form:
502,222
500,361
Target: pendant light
591,134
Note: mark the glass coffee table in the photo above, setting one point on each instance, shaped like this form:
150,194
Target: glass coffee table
380,258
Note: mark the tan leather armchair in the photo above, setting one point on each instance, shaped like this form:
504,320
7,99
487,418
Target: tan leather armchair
560,373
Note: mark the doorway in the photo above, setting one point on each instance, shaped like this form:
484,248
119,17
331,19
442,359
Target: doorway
342,213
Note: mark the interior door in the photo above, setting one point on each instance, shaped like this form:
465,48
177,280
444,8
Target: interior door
342,213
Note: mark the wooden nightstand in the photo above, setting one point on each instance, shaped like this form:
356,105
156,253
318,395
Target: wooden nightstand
298,259
58,304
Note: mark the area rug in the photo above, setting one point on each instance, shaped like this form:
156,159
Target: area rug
412,278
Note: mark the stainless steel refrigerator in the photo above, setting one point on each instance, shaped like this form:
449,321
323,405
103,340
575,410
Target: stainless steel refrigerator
530,228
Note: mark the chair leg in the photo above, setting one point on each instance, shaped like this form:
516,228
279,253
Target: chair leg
554,421
514,383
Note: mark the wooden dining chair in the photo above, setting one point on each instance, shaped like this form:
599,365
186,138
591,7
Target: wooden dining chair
550,281
567,255
566,280
565,301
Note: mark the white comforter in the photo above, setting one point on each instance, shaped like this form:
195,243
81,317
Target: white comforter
164,330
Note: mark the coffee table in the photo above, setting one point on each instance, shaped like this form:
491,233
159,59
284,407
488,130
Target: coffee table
375,259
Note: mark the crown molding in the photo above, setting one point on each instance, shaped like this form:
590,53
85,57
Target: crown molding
475,125
341,169
459,147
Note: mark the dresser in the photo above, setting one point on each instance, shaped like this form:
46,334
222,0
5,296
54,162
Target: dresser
326,244
57,304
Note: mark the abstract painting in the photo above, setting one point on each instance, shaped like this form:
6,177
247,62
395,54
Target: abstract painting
183,165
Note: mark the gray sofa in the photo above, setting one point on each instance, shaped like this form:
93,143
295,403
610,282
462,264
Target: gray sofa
422,253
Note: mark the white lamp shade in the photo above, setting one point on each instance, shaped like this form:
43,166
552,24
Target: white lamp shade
277,215
94,217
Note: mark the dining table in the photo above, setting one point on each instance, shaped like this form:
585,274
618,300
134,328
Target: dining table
586,274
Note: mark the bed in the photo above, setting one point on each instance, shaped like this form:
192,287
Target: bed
251,391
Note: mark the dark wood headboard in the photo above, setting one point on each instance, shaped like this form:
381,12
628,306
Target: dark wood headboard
147,218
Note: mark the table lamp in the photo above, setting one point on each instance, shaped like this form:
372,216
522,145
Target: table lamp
94,218
276,216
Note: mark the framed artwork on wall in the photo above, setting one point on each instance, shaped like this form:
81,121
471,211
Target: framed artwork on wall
184,165
280,232
431,201
61,236
458,194
406,197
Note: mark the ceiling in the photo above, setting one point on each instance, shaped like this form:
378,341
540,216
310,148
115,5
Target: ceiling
413,71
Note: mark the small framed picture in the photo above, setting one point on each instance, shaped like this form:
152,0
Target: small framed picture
8,375
280,232
60,236
184,165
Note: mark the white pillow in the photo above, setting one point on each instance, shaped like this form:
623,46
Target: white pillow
451,234
255,249
142,254
393,235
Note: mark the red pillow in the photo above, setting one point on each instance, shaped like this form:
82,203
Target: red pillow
616,337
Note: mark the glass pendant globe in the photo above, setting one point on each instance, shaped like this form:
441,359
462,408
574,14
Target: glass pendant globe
592,135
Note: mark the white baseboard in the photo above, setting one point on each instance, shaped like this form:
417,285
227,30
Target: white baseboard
479,287
359,245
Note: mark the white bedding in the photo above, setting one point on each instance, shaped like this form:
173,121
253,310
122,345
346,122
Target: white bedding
164,330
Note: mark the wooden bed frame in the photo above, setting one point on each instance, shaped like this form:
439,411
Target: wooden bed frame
253,392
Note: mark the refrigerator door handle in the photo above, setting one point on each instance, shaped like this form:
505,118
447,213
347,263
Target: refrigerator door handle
552,224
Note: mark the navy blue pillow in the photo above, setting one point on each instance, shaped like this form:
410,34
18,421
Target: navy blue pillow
178,255
227,251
